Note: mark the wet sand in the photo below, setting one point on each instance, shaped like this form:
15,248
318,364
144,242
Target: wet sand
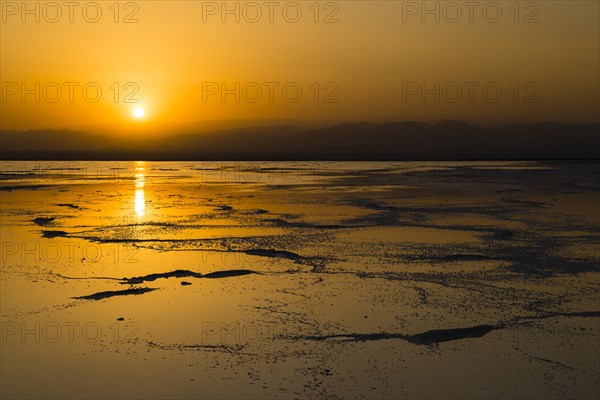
300,280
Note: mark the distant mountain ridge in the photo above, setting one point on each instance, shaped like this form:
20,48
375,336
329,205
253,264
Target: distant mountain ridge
406,140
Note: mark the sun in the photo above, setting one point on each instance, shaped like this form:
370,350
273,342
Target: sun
139,112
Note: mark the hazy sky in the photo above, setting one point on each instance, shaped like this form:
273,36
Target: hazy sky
381,60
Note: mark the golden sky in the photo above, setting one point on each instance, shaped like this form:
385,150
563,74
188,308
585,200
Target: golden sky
351,60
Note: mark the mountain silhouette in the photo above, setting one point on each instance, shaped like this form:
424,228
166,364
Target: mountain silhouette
407,140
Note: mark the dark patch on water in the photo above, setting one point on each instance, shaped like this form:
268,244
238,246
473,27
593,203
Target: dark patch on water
433,337
68,205
152,277
282,223
446,335
43,221
271,253
54,234
228,274
547,315
114,293
317,264
180,273
426,338
22,187
207,347
503,234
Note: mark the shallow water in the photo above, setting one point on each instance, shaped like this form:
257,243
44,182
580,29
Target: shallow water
300,280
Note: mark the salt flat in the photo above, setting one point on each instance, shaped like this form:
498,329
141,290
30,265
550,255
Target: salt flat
300,280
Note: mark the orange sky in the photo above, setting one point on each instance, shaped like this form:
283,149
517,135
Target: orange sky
370,64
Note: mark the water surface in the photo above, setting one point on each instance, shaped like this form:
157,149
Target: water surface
300,280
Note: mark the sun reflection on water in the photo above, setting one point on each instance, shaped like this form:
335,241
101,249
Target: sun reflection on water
140,197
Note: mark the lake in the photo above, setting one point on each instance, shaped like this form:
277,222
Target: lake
300,279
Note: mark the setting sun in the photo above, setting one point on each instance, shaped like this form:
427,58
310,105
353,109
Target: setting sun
139,112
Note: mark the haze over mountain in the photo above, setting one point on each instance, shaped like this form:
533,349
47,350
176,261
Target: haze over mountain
408,140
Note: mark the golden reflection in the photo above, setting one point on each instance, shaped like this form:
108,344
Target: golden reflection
140,197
